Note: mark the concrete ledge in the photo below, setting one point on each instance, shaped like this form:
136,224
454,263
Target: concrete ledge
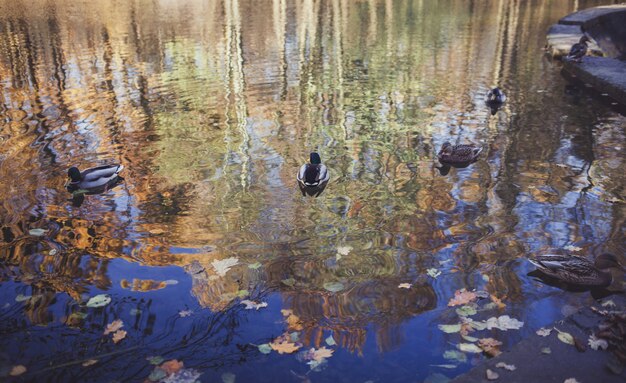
581,17
604,74
563,362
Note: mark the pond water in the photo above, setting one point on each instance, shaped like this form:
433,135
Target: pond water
212,106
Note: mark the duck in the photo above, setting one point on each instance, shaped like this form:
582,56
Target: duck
576,270
458,155
313,177
93,179
496,96
578,50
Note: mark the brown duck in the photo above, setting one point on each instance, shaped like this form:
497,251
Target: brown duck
458,154
576,270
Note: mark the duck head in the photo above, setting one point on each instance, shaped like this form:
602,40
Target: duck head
607,261
584,39
74,174
446,149
315,158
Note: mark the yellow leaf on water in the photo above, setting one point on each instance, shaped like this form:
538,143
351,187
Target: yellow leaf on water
119,335
543,331
17,370
113,326
492,375
565,337
89,362
404,286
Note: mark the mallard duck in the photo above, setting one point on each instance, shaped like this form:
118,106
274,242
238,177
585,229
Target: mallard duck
496,96
577,270
313,177
578,50
93,179
458,155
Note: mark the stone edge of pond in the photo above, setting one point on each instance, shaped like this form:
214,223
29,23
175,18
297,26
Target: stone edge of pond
564,361
603,73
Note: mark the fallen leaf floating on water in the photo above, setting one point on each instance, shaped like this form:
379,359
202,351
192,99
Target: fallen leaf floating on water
284,345
113,326
455,355
89,362
264,348
333,287
223,265
597,343
492,375
343,250
99,301
565,337
119,335
434,273
448,366
469,347
465,311
546,350
469,338
571,380
504,323
253,305
155,360
17,370
320,354
330,341
254,265
543,331
462,297
450,328
508,367
185,313
490,346
171,366
404,286
228,377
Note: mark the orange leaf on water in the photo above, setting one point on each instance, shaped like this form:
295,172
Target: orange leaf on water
113,326
119,335
171,366
462,297
284,345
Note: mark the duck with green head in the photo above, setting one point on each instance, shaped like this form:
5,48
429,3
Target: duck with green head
93,179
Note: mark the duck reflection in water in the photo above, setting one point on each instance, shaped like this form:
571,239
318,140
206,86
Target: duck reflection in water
456,156
92,181
313,177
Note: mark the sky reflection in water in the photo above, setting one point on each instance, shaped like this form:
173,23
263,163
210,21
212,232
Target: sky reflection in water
212,107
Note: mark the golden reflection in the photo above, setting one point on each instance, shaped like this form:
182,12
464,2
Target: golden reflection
212,111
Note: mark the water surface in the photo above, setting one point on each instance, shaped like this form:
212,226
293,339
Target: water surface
212,106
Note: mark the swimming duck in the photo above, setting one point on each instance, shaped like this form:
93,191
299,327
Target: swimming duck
576,270
93,179
313,177
496,96
458,155
578,50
